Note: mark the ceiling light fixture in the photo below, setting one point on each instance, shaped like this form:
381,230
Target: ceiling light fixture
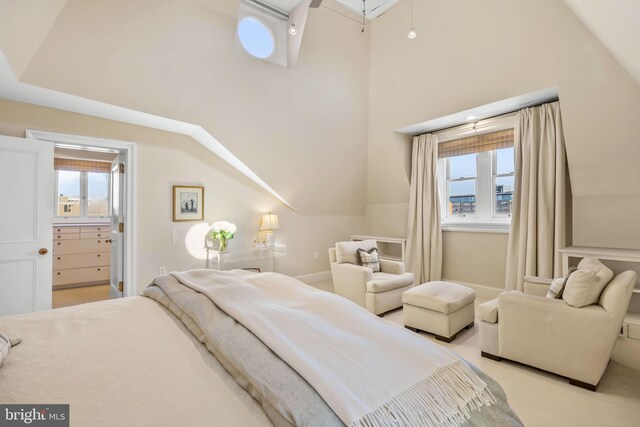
292,28
364,14
412,32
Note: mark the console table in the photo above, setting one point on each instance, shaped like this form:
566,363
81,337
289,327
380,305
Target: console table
262,259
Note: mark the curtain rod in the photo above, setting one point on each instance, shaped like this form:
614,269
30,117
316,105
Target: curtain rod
474,124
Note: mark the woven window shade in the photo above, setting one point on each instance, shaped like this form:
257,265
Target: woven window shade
476,144
81,165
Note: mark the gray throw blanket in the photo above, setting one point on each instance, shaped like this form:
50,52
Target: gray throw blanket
286,397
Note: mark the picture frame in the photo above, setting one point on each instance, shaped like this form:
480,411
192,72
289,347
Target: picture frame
188,203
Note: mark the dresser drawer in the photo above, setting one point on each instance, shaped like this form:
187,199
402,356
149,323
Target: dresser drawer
96,229
63,262
81,275
99,235
63,247
66,236
65,230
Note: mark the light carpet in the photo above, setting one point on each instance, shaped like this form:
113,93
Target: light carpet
542,399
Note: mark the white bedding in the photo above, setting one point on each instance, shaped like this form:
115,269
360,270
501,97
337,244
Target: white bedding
324,338
121,362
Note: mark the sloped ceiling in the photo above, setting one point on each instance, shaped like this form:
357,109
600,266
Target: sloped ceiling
24,26
181,60
617,25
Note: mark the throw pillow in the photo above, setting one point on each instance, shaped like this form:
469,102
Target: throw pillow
586,284
347,252
557,285
5,345
369,259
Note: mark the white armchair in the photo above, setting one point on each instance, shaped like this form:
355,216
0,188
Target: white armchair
378,292
552,335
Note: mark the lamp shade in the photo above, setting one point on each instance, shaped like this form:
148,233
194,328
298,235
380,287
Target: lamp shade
269,222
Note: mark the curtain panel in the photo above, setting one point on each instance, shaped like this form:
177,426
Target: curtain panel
424,235
539,212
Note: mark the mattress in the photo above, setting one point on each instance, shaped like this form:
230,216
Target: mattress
121,362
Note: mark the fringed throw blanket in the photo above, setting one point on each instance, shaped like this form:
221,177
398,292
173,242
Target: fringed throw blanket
370,372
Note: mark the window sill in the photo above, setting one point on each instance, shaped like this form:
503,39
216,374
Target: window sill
477,227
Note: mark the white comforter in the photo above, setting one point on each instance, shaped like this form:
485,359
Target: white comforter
370,372
124,362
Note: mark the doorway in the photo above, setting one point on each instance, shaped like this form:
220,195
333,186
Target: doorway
93,217
83,201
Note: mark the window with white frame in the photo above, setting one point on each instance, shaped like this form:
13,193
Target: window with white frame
503,171
476,179
82,189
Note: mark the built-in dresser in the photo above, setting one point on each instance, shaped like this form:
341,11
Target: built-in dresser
81,255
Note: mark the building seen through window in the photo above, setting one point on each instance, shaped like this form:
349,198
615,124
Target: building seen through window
478,178
82,194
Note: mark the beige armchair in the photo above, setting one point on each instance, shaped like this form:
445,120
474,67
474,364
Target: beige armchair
378,292
552,335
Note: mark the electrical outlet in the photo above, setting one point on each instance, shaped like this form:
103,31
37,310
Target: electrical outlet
315,255
163,270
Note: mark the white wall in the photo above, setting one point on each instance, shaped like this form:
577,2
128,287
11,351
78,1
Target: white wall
471,53
303,130
165,159
322,133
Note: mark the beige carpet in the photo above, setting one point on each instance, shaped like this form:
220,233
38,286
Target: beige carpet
81,295
546,400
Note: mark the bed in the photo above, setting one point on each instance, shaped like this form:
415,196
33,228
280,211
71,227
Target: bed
149,360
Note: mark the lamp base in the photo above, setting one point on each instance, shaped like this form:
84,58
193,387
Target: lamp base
271,239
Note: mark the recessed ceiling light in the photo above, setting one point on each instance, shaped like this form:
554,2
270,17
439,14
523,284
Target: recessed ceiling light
471,117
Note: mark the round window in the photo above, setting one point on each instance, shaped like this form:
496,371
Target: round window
256,37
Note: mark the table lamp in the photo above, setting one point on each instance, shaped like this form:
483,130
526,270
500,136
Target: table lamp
270,223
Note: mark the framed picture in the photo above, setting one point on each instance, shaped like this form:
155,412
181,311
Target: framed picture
188,203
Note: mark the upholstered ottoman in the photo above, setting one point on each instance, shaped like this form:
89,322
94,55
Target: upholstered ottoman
441,308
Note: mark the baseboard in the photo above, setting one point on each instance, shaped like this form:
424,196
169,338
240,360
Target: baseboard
310,279
482,291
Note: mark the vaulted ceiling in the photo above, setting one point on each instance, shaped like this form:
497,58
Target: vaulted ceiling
179,60
617,26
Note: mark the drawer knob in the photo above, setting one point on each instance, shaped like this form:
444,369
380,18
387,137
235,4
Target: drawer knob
99,228
98,255
58,242
59,258
99,234
59,237
106,241
58,273
43,251
98,241
98,269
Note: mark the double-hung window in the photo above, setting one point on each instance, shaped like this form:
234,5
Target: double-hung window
82,189
462,177
503,181
476,179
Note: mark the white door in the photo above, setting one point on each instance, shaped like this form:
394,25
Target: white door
26,225
117,218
